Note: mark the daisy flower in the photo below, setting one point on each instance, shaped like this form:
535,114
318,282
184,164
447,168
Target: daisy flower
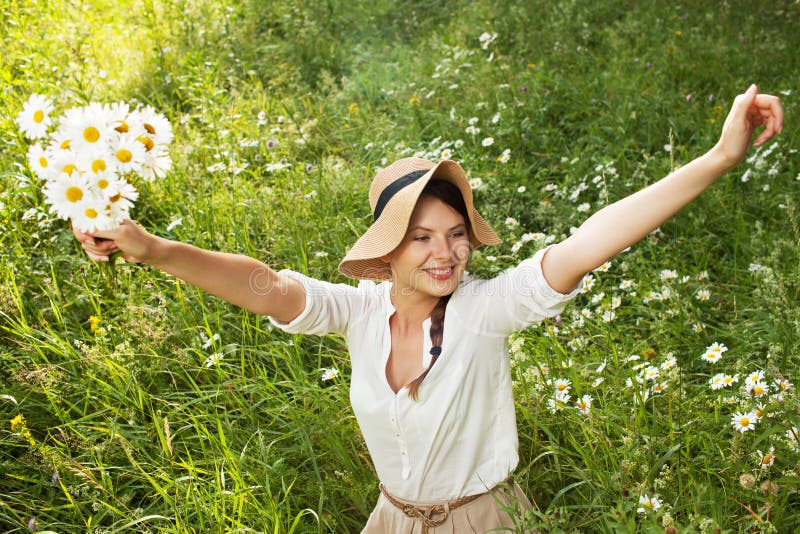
122,201
155,165
765,460
128,153
584,404
65,194
488,141
93,216
158,128
669,363
329,373
755,376
758,389
717,381
39,161
626,284
703,294
504,157
648,504
562,384
118,116
667,274
742,422
511,223
659,387
86,127
728,380
475,183
697,328
34,119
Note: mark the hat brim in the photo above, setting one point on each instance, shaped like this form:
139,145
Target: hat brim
363,261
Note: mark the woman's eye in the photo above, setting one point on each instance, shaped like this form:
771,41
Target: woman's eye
421,238
458,234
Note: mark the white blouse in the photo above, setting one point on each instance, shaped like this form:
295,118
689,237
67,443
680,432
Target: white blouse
460,436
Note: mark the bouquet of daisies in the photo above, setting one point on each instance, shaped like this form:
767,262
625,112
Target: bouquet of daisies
88,155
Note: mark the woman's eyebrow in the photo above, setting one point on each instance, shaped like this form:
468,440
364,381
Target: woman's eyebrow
419,227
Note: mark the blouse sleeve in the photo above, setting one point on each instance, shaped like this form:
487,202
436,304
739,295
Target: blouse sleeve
328,310
515,299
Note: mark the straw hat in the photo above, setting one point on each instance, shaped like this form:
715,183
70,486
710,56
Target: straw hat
392,197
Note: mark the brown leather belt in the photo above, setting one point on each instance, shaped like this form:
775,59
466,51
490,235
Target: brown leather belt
436,514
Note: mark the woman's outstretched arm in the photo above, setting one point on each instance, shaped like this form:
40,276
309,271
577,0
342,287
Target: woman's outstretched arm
625,222
241,280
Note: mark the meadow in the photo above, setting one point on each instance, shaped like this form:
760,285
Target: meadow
133,402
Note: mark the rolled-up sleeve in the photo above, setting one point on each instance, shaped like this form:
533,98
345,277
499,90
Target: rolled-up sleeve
328,309
517,298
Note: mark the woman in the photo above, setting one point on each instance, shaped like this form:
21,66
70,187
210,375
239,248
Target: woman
430,385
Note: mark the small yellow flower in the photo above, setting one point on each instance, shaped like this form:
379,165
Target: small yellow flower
353,107
94,323
678,33
414,100
531,65
17,422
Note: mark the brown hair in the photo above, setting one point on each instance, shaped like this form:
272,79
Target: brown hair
448,193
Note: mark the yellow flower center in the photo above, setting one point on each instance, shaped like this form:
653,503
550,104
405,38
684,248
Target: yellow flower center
42,161
150,129
767,459
91,134
648,504
760,412
98,166
758,390
744,421
64,144
116,197
147,142
74,194
102,183
69,168
561,387
90,212
38,116
123,127
124,155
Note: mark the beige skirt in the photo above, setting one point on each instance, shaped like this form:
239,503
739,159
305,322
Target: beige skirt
483,514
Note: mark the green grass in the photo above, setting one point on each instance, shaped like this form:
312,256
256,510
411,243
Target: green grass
143,436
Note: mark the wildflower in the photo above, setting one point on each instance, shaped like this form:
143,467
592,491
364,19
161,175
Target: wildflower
765,460
447,153
669,363
717,381
588,283
659,387
782,384
475,183
747,481
511,223
488,141
714,352
34,119
755,376
329,373
175,222
651,373
668,274
604,267
703,275
728,380
550,187
472,130
321,254
626,284
702,294
94,323
697,328
214,359
648,504
584,404
758,389
562,384
584,207
742,422
609,316
505,156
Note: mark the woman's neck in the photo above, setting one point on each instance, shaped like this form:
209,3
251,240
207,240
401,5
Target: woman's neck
412,309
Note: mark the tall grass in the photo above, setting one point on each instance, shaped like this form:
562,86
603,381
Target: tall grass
131,425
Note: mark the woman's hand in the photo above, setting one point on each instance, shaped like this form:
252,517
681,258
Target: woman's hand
749,111
136,244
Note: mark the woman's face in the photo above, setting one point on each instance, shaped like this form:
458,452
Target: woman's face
434,252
